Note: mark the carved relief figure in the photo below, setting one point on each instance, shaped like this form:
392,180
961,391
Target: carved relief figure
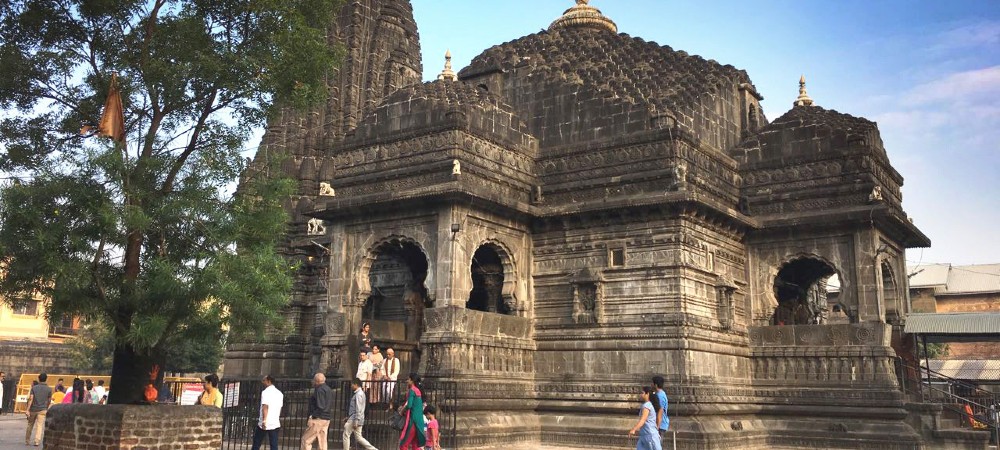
325,190
316,227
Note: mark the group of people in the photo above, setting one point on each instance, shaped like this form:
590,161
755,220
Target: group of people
80,392
653,420
41,397
420,429
377,372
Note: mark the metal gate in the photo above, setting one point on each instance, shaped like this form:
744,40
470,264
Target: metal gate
242,402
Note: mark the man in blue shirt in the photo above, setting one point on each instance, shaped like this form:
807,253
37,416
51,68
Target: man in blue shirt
662,421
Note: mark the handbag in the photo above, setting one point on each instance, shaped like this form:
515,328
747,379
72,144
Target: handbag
397,421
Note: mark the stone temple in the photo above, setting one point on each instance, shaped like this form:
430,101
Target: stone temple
580,209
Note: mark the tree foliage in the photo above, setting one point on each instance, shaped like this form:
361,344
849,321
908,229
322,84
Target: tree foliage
93,350
142,236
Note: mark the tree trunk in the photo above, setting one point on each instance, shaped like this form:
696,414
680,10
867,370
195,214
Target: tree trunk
130,374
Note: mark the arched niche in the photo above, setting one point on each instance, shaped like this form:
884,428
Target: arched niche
891,296
392,284
493,280
800,290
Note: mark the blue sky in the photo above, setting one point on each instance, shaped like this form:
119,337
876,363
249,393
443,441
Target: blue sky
927,72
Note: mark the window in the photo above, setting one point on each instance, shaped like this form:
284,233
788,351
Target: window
616,255
26,307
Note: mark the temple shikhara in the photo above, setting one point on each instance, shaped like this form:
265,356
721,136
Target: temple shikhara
579,210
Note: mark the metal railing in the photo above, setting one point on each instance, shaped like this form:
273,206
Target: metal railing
973,406
242,402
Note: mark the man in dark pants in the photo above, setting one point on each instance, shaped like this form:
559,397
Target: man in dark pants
271,401
319,414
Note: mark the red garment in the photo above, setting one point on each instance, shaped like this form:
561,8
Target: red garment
411,441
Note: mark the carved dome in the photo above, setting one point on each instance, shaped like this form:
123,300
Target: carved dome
805,131
584,16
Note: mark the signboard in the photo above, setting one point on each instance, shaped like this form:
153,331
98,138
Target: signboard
190,393
231,394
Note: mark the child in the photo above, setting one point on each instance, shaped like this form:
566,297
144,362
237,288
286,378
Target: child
433,430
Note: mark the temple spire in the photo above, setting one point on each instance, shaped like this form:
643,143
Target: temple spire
447,74
803,99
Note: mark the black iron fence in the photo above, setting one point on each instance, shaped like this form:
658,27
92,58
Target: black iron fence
242,402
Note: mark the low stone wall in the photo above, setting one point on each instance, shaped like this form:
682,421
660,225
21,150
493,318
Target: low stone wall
128,427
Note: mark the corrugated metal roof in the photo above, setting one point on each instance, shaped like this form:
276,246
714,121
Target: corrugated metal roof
967,369
973,279
954,323
928,275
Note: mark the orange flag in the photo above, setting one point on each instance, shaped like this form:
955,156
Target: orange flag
113,119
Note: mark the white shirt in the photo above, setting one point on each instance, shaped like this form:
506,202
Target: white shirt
394,366
274,400
365,370
100,392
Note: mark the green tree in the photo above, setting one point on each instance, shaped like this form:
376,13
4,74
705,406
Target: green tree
93,348
141,235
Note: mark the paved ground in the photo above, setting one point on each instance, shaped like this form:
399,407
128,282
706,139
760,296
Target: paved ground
12,432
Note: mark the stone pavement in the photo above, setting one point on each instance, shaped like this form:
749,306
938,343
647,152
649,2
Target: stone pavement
12,432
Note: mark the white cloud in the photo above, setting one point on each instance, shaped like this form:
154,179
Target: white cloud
972,35
969,87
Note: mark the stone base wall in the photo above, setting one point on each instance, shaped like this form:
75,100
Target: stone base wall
128,427
18,357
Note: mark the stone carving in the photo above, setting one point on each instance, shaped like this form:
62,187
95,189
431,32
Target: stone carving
316,227
587,296
456,167
325,190
876,195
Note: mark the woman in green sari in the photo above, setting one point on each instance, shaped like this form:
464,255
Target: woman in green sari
412,437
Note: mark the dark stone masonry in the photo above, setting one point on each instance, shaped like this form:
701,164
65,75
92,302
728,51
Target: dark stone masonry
133,427
579,210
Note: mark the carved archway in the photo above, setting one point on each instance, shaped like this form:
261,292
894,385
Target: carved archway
494,279
799,288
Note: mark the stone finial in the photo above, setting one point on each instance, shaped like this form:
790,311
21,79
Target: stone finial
584,16
447,74
325,190
803,99
456,167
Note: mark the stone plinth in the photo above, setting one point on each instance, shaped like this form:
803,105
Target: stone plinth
127,427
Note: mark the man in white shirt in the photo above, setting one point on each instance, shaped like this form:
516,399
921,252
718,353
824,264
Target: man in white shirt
365,368
391,365
2,378
100,390
271,401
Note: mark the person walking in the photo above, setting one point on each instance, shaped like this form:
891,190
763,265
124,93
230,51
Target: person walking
38,404
662,420
649,439
356,418
211,395
271,401
412,437
320,404
3,377
433,429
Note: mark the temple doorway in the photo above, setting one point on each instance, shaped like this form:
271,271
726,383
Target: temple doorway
395,307
800,289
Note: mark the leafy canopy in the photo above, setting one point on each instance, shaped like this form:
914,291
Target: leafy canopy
143,236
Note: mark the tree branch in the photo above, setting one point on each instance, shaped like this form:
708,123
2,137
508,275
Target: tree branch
206,112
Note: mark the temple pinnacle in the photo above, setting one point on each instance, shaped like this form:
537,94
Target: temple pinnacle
447,74
803,99
584,16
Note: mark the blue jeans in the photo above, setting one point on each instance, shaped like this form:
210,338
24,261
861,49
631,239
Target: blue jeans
258,437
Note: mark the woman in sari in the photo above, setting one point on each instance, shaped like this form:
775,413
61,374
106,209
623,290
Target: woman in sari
412,437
